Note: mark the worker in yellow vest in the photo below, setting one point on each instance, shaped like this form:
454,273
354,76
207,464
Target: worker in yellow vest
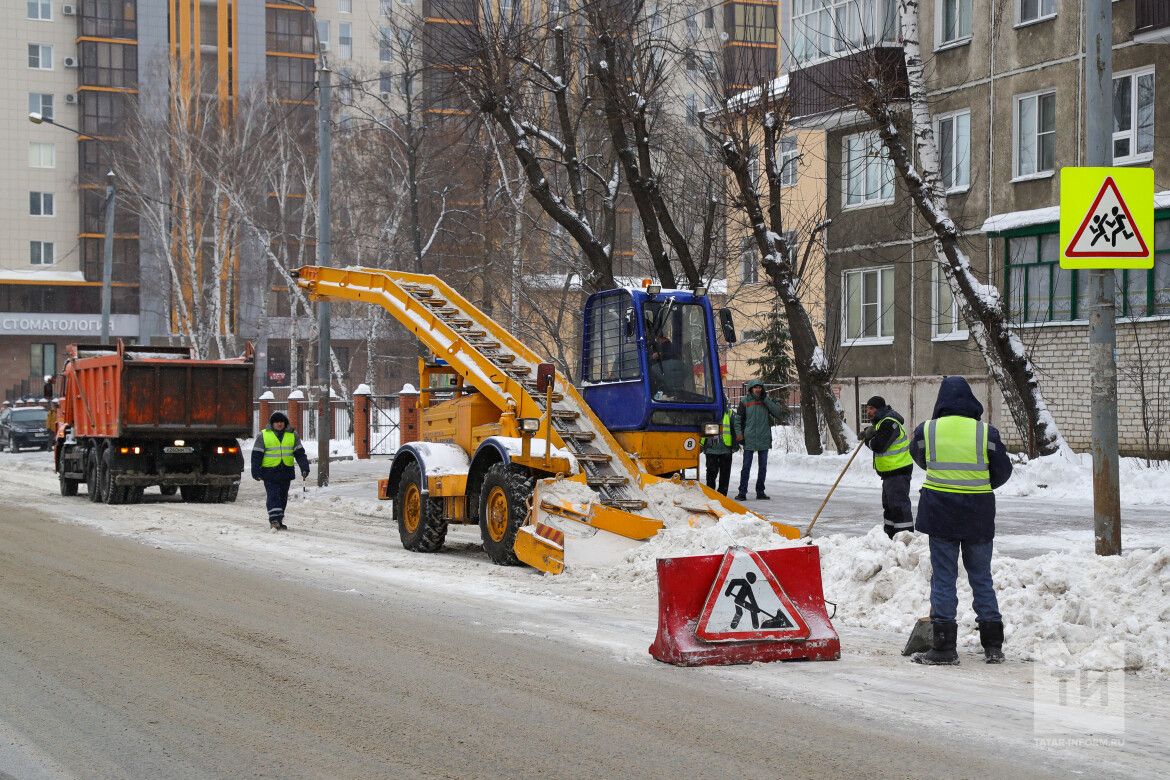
718,450
886,436
274,454
964,461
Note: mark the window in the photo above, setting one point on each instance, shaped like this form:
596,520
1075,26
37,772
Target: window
109,18
869,305
955,21
749,264
385,45
1039,290
868,170
41,103
40,9
611,344
40,252
290,31
947,323
40,56
754,166
323,32
754,23
42,362
692,110
345,40
109,64
692,26
1035,134
345,6
953,135
829,28
1035,10
789,161
709,18
1133,117
42,155
40,204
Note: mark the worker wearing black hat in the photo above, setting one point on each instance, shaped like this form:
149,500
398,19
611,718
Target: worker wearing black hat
886,436
274,453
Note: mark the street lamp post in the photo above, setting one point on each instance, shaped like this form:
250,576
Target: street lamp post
107,241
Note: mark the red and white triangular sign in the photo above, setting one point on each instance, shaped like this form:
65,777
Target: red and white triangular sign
746,603
1108,230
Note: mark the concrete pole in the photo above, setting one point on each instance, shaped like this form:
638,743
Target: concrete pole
324,251
1102,321
108,257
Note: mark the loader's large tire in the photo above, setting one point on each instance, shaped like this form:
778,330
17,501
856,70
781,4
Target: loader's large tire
421,524
503,508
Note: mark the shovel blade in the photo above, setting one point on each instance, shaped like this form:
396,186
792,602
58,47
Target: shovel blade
920,637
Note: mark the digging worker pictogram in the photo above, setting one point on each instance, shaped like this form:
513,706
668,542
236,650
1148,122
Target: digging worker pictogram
740,589
276,451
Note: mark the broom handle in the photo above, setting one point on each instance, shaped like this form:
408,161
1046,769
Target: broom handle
830,493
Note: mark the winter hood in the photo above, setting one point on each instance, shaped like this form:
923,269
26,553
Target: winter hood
747,387
955,398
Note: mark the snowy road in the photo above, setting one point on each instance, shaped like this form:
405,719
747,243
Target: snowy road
331,651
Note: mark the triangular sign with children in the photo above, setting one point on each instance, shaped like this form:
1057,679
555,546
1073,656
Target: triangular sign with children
1108,229
746,603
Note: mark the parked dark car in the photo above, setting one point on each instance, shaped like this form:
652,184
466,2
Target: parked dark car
24,426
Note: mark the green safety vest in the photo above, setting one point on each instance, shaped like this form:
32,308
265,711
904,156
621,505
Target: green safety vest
956,455
278,451
726,430
897,456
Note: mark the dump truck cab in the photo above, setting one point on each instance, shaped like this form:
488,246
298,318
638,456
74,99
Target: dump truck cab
650,372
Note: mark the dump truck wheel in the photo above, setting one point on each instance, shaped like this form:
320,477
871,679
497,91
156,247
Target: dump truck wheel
168,490
91,478
230,493
110,492
68,486
503,508
134,495
421,524
193,493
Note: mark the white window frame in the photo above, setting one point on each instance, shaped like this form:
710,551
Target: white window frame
37,249
42,7
40,146
1016,101
42,48
938,123
847,169
864,20
789,161
36,104
1040,16
959,333
882,338
749,261
1133,156
941,42
40,199
345,40
324,33
345,6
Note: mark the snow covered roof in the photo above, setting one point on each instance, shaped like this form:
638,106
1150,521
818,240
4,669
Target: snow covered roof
557,281
1014,220
749,97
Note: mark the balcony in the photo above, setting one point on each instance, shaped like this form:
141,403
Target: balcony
833,86
1152,21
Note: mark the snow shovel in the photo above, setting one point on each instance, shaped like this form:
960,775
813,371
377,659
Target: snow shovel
920,636
829,495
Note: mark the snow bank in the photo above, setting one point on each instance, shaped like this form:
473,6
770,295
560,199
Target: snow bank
1066,609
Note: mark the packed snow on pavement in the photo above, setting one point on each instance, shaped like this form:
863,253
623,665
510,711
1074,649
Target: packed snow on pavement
1063,608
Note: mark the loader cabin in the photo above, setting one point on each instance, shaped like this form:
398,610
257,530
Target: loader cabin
650,371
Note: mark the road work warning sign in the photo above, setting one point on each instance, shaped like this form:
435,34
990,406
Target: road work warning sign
746,602
1106,218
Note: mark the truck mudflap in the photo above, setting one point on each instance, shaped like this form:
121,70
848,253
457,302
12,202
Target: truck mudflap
178,480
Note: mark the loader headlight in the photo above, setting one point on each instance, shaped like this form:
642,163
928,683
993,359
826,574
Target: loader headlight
711,429
529,424
653,289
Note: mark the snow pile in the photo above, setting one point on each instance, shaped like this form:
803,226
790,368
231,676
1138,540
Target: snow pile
1066,609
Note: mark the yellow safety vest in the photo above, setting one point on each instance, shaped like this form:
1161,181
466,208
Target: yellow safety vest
956,455
897,456
278,451
726,430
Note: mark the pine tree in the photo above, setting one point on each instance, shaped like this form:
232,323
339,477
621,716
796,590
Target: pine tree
774,365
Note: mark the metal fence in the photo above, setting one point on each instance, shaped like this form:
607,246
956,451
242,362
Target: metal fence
384,425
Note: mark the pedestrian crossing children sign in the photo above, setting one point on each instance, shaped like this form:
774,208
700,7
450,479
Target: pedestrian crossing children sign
1106,218
746,603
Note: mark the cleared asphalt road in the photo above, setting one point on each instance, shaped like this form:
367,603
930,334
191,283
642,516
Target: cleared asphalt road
121,660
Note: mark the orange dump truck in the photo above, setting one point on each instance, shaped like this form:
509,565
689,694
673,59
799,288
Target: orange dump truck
135,417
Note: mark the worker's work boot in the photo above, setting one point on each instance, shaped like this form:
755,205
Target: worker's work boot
942,647
991,637
275,524
762,497
741,497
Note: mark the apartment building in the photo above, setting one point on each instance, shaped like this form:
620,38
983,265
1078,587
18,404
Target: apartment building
1006,85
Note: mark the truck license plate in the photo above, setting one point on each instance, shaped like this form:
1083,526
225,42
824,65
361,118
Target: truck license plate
178,450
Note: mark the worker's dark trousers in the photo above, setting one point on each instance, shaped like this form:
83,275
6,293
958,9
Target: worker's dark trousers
896,503
719,472
277,498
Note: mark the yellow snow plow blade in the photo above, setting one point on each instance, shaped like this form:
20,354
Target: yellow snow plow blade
541,547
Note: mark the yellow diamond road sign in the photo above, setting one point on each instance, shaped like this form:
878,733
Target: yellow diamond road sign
1106,218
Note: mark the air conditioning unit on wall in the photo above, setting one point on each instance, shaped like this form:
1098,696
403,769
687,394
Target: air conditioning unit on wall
71,98
69,62
68,10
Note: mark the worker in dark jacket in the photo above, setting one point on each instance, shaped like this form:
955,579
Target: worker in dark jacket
718,450
752,423
274,454
886,436
964,461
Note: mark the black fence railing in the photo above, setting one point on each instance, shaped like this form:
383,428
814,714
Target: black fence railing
1151,15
